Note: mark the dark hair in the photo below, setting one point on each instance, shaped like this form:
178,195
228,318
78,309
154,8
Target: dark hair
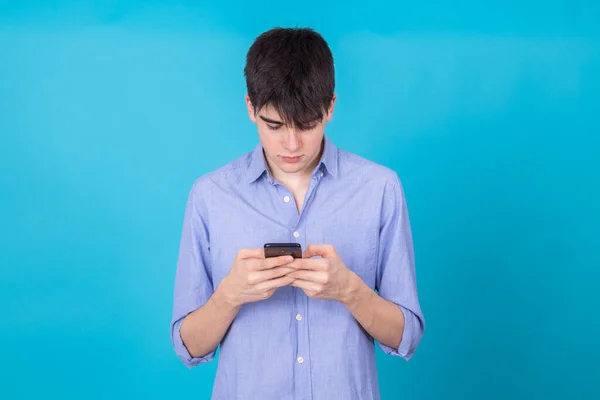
292,70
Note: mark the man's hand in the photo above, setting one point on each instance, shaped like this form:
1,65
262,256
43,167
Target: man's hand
254,277
322,278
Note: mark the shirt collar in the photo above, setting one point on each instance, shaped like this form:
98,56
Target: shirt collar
257,165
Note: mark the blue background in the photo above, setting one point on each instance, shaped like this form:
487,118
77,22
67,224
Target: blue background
488,112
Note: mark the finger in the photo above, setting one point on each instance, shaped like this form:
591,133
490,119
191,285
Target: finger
310,276
250,253
275,283
257,277
273,262
306,285
276,272
312,264
323,250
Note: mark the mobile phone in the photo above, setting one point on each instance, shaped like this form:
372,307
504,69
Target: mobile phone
283,249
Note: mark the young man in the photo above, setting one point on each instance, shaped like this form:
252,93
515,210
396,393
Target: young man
300,328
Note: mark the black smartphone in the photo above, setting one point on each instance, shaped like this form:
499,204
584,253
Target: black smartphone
283,249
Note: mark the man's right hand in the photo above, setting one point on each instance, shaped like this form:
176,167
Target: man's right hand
254,277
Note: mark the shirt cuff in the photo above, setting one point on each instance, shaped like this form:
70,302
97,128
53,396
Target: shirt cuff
407,344
183,353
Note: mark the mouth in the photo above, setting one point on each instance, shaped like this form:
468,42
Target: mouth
291,160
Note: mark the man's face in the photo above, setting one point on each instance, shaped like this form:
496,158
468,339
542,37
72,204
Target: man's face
287,149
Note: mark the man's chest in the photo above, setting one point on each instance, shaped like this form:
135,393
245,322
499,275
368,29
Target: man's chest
350,221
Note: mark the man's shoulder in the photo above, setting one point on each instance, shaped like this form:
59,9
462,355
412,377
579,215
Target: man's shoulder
231,173
356,166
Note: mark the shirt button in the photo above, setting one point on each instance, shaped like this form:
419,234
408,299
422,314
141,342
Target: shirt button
300,360
299,317
286,199
296,234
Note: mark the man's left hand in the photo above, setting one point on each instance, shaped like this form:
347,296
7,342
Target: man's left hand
323,278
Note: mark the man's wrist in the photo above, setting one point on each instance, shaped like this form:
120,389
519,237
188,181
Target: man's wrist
224,300
355,292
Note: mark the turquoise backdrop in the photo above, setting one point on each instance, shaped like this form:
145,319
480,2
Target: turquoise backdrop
489,113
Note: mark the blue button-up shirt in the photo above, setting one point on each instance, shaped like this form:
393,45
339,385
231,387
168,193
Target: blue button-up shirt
291,346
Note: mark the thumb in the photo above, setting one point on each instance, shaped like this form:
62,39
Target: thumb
251,253
323,250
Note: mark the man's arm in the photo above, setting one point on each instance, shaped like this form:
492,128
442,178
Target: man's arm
193,309
396,282
382,319
203,329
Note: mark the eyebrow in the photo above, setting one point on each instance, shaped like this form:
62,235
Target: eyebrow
270,121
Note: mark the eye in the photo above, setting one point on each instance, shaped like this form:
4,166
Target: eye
273,128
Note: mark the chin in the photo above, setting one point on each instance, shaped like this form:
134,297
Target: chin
291,168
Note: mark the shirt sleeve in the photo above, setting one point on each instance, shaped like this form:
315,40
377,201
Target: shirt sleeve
396,277
193,284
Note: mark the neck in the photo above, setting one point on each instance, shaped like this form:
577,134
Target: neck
298,179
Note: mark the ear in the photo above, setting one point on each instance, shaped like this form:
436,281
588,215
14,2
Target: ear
250,108
331,107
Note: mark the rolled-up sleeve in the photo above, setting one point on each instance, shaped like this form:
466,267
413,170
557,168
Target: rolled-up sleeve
193,284
396,275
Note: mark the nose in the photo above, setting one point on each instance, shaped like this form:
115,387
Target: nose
292,141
